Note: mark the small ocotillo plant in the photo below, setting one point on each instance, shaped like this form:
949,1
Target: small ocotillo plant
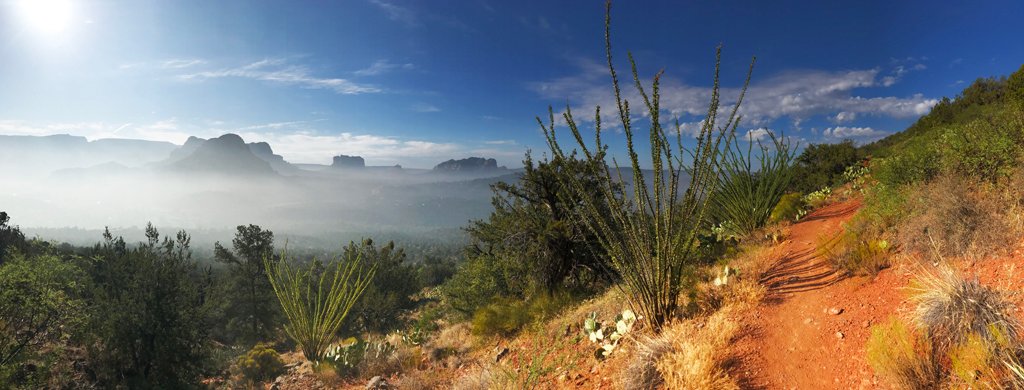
650,235
317,302
752,185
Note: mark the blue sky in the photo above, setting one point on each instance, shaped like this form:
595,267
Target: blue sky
419,82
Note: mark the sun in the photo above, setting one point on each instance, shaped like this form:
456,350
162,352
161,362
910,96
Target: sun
48,17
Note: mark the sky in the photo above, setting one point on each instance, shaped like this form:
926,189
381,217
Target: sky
419,82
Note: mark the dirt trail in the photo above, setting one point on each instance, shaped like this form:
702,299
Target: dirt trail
795,339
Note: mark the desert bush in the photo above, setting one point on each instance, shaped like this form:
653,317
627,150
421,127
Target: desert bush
40,307
980,149
506,316
951,309
902,356
857,251
147,326
752,186
649,235
480,278
950,219
389,294
260,364
316,301
788,208
914,164
885,206
11,238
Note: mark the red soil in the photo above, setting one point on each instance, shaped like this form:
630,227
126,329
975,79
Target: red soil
794,339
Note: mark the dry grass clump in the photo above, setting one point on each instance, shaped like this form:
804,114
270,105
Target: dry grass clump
699,352
450,346
690,354
903,357
642,372
951,309
963,337
959,218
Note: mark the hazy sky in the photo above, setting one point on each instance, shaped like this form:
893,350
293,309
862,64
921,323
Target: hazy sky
390,80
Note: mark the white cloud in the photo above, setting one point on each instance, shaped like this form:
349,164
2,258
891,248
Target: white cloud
756,134
279,71
380,67
501,142
852,132
424,107
397,13
844,116
181,63
797,95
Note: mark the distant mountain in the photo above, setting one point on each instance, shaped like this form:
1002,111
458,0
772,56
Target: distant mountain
469,165
227,154
344,161
261,150
277,162
24,154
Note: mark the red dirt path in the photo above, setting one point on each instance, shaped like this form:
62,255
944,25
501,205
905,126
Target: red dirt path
792,340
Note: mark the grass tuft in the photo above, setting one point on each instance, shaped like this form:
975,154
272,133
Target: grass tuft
951,309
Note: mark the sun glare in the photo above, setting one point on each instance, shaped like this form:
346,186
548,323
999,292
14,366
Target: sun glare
46,16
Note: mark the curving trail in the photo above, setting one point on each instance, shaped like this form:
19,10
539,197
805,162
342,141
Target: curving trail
794,339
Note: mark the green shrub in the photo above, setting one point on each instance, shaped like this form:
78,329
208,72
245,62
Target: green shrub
40,307
857,252
987,151
788,208
507,316
752,186
389,294
480,279
915,164
147,327
260,364
500,318
884,206
11,238
822,165
903,357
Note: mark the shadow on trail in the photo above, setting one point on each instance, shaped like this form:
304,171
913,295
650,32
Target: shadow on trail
797,272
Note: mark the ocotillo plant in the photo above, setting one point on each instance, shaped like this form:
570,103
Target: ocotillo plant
752,185
316,303
650,235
